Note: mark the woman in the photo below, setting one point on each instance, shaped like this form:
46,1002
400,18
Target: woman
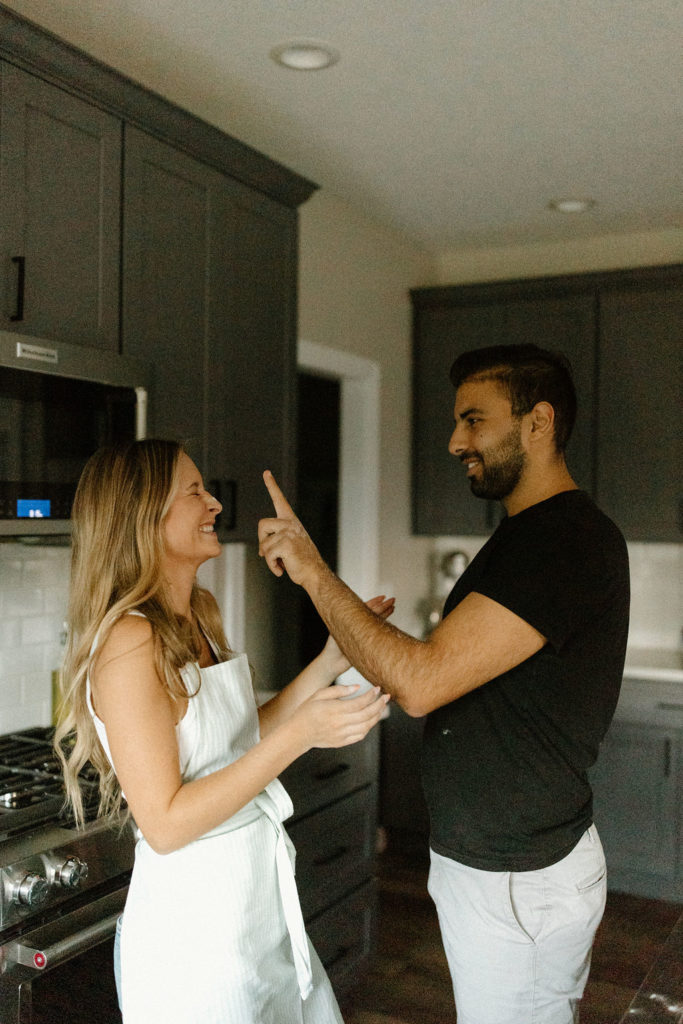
212,930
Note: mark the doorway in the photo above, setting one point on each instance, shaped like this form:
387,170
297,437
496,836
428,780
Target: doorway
318,437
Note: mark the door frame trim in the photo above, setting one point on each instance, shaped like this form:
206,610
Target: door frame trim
358,540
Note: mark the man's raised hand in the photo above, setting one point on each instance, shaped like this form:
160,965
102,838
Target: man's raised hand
283,541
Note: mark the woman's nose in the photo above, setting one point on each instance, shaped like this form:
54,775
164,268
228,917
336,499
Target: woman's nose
213,503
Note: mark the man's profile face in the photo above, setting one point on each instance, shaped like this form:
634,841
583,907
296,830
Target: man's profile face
487,439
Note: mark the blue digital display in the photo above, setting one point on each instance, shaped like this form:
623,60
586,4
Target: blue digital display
28,509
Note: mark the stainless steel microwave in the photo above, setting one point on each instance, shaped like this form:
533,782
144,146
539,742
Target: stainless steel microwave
58,404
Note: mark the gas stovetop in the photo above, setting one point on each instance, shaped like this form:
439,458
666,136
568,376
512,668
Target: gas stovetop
45,861
31,788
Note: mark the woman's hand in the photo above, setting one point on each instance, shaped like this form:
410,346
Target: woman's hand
333,657
332,718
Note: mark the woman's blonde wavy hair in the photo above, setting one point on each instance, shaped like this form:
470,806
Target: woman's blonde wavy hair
122,499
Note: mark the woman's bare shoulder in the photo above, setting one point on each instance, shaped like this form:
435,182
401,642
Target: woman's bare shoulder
130,634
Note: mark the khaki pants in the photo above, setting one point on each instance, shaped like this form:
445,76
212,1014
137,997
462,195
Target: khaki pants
519,944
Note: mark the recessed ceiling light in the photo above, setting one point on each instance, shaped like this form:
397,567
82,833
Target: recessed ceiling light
571,205
305,55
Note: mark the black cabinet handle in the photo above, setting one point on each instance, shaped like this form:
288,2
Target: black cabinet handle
21,281
331,773
329,858
226,492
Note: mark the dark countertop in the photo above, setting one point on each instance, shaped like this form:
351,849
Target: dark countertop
659,999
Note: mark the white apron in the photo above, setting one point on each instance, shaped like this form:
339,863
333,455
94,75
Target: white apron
212,933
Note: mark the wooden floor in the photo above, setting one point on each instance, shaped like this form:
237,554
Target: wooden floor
408,980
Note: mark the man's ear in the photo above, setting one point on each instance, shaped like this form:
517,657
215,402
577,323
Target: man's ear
542,421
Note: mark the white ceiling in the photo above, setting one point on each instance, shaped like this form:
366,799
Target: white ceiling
453,121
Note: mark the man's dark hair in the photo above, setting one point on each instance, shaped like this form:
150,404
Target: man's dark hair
529,375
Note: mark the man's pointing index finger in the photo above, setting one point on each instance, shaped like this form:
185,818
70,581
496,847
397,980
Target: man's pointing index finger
283,509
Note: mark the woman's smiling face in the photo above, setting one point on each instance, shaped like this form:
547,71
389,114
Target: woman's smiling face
189,524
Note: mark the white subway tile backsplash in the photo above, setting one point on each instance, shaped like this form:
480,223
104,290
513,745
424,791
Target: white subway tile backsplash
21,601
25,716
40,629
11,692
656,595
36,688
10,633
33,597
34,583
10,572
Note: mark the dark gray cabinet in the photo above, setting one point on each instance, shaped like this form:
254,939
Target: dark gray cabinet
209,278
128,224
640,429
622,333
636,784
251,368
334,828
60,187
167,242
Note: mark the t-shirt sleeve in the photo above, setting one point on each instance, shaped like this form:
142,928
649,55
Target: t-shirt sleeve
552,573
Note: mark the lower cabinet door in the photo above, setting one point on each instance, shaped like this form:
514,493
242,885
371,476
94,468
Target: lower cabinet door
335,850
344,935
325,774
636,808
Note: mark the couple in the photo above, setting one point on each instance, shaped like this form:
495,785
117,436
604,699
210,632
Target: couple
518,682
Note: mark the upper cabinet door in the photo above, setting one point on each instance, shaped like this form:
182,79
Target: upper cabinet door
166,246
567,324
252,355
640,427
59,214
209,297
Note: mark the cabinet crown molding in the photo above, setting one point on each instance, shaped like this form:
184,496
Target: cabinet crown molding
40,52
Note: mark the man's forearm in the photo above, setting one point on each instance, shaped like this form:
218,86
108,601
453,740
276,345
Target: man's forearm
382,653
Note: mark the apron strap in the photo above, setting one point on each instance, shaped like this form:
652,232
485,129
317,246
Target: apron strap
284,856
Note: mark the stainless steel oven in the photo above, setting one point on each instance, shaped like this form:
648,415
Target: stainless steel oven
61,972
61,893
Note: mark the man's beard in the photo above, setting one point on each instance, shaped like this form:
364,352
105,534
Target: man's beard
501,468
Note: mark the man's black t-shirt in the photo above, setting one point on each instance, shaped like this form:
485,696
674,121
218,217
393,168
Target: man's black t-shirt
504,767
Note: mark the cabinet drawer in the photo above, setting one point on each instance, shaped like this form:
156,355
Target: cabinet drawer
334,850
323,775
344,935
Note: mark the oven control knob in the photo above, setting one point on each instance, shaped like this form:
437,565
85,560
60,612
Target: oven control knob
31,891
71,873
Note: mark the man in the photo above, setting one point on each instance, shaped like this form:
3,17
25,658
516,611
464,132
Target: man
519,683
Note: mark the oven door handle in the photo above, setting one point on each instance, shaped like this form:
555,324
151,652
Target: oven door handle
51,956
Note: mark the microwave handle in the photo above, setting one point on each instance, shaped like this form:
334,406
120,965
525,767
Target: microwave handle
140,414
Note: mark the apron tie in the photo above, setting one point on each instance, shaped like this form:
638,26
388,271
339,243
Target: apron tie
284,858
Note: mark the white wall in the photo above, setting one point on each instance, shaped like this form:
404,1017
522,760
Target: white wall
575,256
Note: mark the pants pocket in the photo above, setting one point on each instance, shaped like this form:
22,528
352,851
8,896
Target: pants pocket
592,880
